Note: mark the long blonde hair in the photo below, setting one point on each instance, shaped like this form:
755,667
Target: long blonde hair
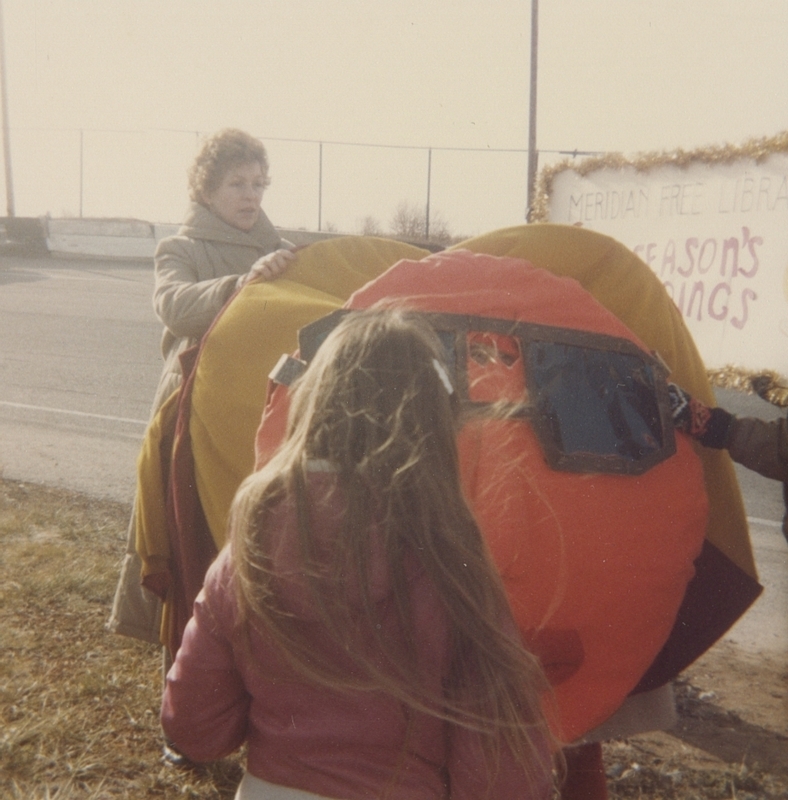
374,404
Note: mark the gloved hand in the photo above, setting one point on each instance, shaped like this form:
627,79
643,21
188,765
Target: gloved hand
710,426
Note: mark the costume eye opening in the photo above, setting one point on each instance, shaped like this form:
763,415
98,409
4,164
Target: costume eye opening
495,368
596,402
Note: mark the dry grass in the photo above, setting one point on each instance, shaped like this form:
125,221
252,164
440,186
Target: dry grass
79,705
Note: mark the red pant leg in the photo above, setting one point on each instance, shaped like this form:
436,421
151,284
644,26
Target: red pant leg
585,773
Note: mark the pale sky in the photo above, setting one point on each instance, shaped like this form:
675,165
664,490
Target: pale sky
141,77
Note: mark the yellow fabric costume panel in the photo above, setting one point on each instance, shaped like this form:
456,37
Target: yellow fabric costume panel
150,507
245,343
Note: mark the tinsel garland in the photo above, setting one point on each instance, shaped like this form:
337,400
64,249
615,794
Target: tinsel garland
765,383
755,149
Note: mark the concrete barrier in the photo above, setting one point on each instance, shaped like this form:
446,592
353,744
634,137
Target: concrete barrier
128,238
105,238
113,238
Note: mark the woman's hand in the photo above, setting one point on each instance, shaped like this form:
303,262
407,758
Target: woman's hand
269,267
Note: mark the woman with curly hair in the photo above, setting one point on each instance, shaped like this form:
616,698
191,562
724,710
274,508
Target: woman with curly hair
225,241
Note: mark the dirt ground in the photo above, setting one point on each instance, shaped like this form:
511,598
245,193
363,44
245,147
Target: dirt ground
731,740
79,706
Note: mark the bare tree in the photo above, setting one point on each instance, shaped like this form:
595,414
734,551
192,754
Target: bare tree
440,231
409,222
370,226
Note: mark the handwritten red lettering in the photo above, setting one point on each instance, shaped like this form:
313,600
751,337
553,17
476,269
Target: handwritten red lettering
723,312
689,248
669,258
729,257
750,242
709,248
747,294
697,292
705,280
730,247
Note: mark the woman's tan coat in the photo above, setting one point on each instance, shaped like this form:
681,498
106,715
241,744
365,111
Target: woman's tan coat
196,273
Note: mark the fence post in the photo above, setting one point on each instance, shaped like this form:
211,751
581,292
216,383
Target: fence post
9,178
533,153
81,168
320,187
429,186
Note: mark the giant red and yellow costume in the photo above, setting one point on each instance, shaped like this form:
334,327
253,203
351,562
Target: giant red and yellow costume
617,581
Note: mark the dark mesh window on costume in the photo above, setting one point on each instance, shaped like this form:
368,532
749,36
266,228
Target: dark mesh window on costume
596,401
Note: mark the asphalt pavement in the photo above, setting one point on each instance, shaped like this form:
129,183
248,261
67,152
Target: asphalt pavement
79,364
80,361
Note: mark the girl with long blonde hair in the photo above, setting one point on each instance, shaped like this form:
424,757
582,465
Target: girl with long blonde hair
355,632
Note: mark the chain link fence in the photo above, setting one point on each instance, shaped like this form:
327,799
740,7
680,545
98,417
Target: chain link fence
347,187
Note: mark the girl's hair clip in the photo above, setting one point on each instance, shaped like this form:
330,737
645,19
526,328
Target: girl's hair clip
443,375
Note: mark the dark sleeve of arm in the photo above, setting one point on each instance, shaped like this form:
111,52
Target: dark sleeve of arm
761,446
187,306
754,443
205,704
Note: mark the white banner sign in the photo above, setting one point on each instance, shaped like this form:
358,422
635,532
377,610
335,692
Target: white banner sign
716,234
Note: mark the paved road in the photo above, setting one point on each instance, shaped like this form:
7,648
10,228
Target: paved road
79,363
